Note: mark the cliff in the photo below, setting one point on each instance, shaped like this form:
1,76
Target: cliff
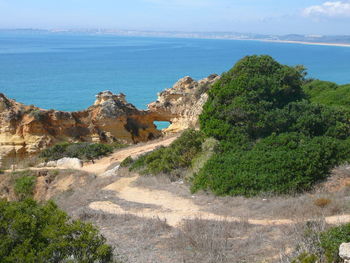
182,104
26,130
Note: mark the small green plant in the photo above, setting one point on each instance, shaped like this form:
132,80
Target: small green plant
127,162
2,171
306,258
24,186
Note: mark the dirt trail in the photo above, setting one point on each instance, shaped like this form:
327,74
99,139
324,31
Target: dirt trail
173,208
101,165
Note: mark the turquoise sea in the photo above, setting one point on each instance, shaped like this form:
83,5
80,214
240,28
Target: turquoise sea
64,72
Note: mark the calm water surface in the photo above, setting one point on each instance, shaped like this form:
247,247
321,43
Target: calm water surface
65,71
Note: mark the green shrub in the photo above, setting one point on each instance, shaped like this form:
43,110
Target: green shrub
24,186
42,233
84,151
332,239
309,119
239,101
178,155
127,162
328,93
209,147
2,171
277,164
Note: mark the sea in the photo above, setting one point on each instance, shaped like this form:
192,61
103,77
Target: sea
65,71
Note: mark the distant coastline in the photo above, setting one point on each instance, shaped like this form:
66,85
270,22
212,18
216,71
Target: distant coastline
319,40
298,42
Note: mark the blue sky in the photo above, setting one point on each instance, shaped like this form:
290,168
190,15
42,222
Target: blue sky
256,16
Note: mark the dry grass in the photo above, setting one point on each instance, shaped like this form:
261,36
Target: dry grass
298,207
322,202
206,241
139,240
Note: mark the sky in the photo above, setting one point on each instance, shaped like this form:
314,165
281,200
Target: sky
254,16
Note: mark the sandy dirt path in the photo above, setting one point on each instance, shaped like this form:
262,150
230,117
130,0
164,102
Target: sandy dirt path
101,165
174,208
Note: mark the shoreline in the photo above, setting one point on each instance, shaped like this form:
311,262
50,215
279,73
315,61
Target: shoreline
304,42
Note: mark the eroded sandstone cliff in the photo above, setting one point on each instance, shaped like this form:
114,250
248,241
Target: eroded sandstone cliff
26,130
182,104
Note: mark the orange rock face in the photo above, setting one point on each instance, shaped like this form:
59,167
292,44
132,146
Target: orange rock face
182,104
26,130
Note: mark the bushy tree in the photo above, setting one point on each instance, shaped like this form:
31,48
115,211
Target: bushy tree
30,232
238,102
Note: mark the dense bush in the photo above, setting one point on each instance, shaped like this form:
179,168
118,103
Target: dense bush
42,233
239,101
178,155
308,119
84,151
24,184
328,93
277,164
272,139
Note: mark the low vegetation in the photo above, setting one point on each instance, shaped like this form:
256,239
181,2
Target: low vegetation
328,93
178,155
43,233
127,162
83,151
323,246
24,185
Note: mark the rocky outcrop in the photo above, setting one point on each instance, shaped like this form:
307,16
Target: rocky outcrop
182,104
344,252
26,130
